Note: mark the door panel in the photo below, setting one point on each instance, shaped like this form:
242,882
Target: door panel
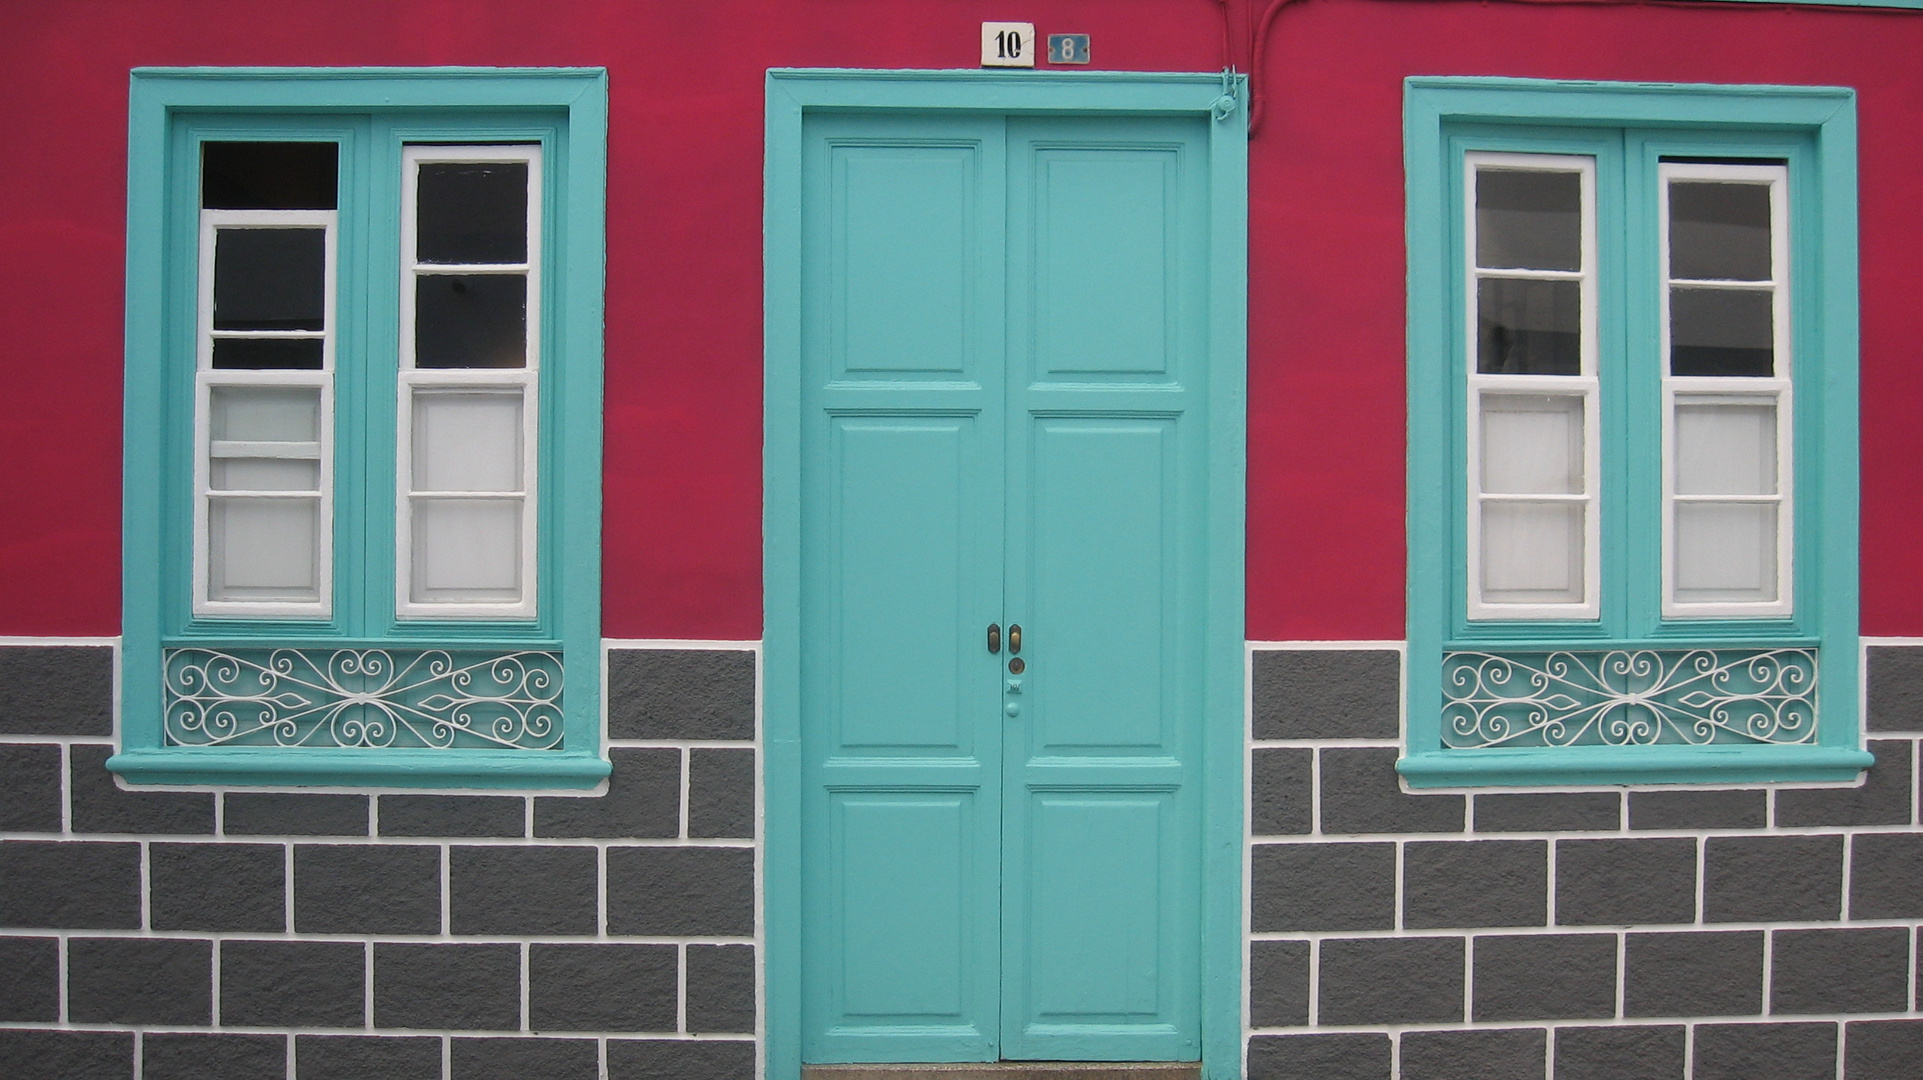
1004,374
1106,459
901,572
1102,254
1099,561
902,488
885,915
905,267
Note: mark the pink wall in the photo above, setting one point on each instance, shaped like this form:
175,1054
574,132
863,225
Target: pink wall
682,539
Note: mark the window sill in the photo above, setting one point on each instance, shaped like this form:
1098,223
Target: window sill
1618,765
521,770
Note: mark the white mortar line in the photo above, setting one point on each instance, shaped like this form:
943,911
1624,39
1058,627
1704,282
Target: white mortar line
408,939
687,766
447,890
146,892
213,976
1315,982
410,841
1549,884
1315,793
367,987
527,977
1769,964
66,790
1468,978
681,989
601,892
60,978
447,1058
1401,876
1702,881
1622,974
140,1054
457,1033
287,889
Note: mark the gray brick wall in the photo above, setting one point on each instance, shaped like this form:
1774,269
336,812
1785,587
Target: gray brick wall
1749,933
340,935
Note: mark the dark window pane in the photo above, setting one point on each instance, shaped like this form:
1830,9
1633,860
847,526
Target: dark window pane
1719,231
472,212
1528,327
270,279
1528,220
295,354
470,321
1721,332
268,175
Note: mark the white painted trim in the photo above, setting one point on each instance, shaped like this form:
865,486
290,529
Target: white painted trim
90,642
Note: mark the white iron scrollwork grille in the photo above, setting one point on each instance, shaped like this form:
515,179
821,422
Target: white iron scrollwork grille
1629,697
425,698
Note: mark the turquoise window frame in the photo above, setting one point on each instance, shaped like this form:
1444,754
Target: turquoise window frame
370,113
1629,128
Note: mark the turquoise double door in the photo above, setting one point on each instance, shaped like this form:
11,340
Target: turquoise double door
1004,394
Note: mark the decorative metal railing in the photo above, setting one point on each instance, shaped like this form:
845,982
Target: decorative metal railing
1628,697
377,697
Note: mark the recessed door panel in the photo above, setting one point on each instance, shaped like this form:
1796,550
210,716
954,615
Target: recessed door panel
1096,950
901,488
1100,567
902,862
1104,256
905,274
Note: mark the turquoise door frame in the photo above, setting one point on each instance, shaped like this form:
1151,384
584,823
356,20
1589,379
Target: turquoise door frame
1217,610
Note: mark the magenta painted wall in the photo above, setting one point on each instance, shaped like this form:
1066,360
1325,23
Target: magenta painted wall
682,544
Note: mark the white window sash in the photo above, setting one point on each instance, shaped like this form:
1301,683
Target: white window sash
207,379
1582,386
414,380
1731,390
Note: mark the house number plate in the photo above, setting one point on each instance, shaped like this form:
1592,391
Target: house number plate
1008,44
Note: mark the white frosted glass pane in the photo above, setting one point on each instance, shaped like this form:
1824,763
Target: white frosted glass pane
1725,449
467,441
1725,552
262,549
1532,553
266,413
1532,444
265,474
467,550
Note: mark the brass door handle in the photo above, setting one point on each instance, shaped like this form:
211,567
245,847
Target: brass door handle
1014,638
994,637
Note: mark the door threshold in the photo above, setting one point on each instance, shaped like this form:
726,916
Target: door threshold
1011,1070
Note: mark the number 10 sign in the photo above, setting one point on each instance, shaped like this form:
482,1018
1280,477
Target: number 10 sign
1008,44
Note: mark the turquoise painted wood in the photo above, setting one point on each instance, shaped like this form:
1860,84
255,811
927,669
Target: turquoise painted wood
370,113
1106,467
903,359
1629,128
1004,384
